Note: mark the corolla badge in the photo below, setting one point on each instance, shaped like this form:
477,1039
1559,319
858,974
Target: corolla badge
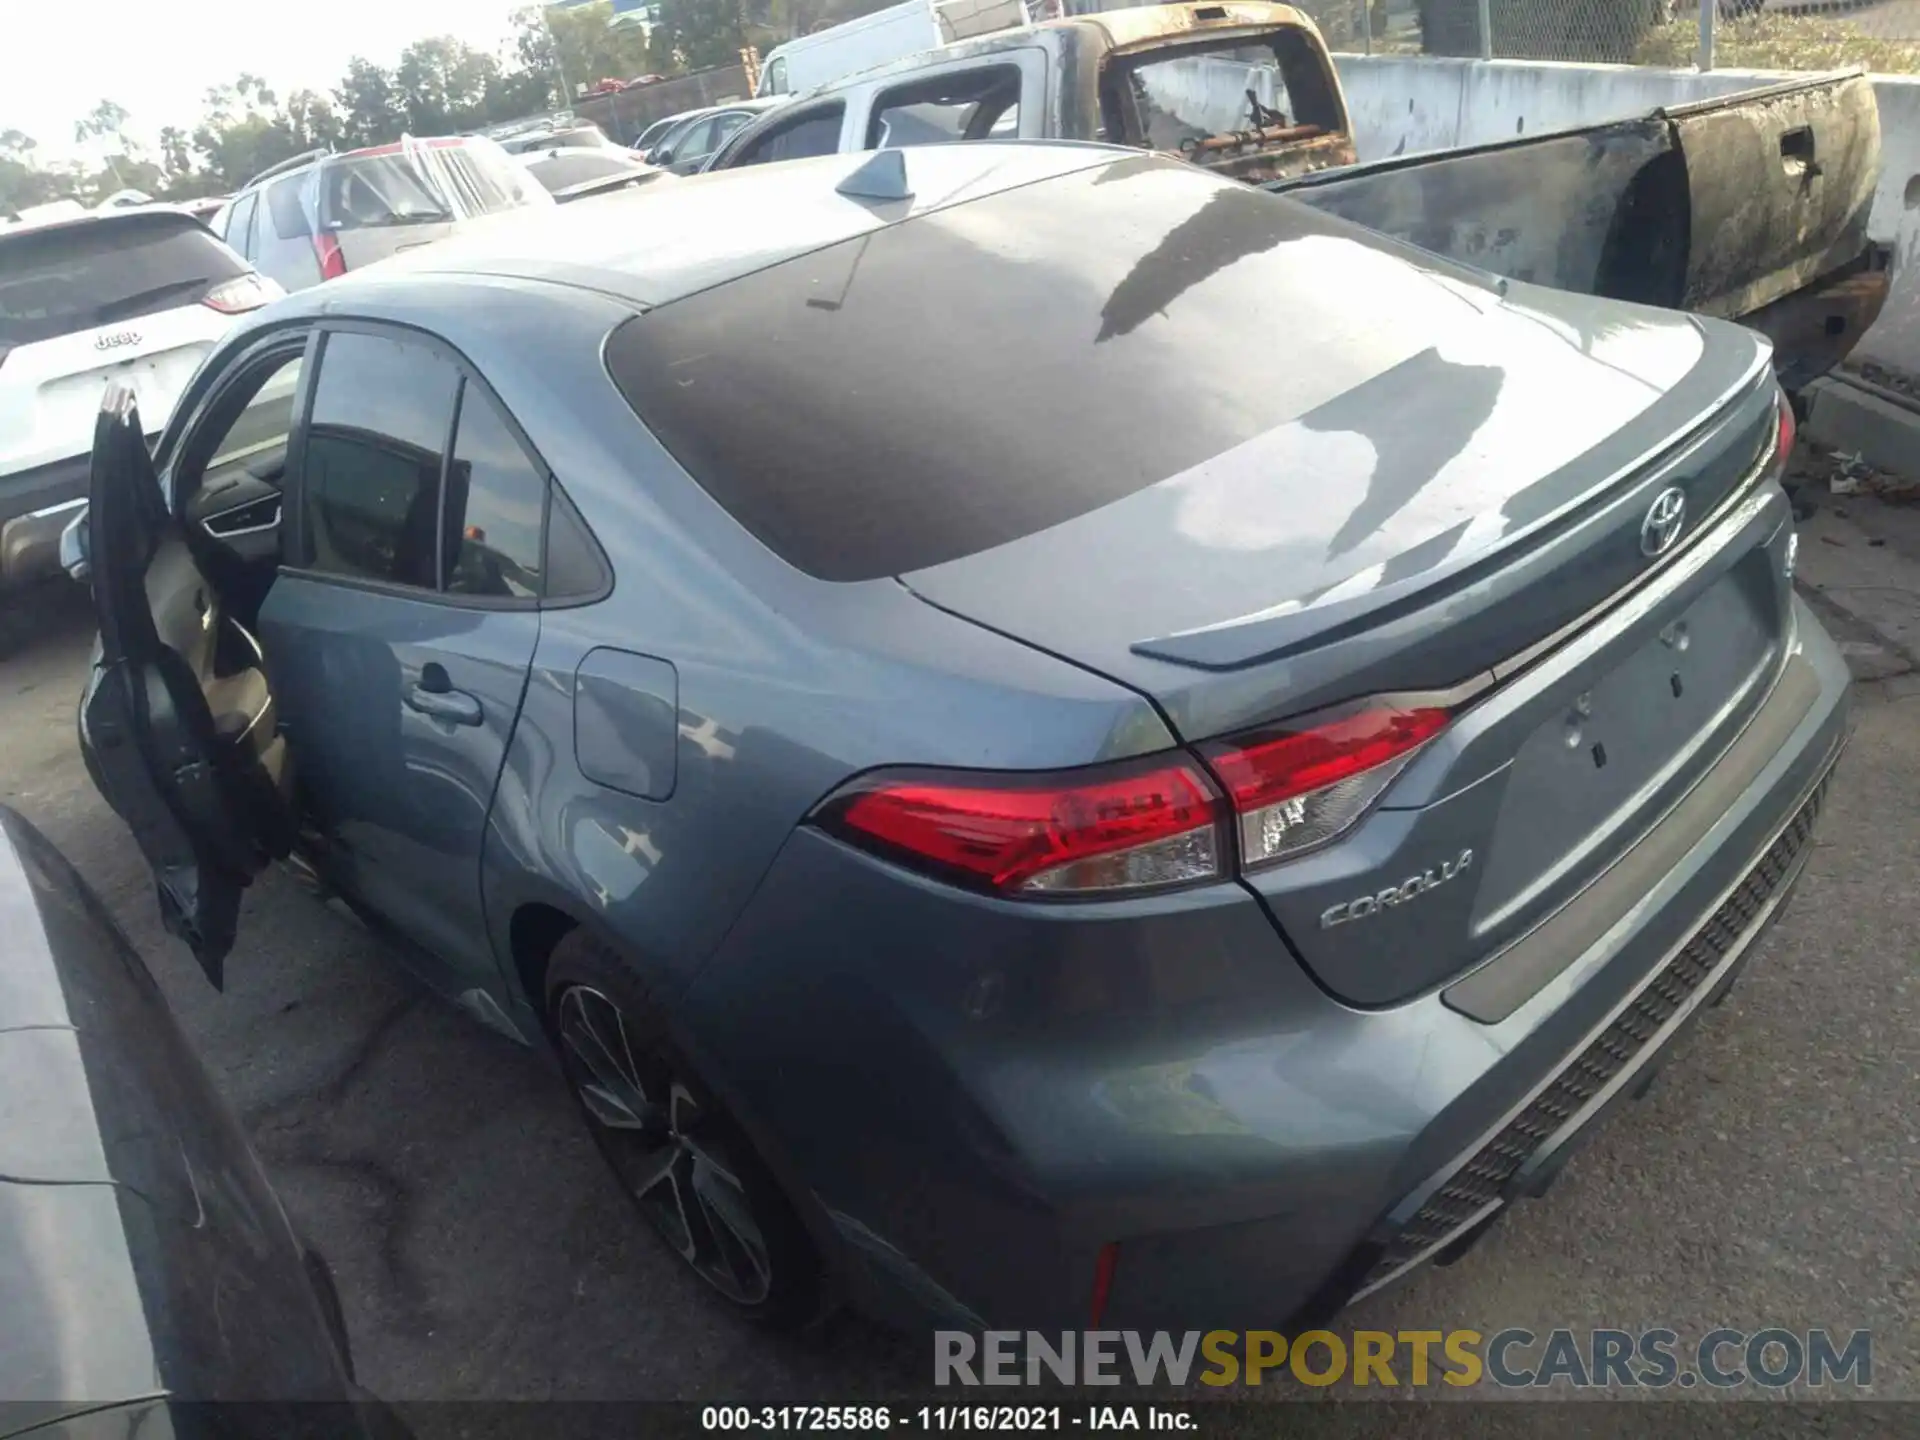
1665,519
113,340
1412,888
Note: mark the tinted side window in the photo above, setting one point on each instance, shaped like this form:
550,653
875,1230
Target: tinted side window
496,505
697,140
815,133
966,106
725,127
371,467
575,568
286,207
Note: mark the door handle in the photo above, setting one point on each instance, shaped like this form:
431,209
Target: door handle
435,696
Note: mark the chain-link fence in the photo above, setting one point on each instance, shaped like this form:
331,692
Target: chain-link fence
1878,35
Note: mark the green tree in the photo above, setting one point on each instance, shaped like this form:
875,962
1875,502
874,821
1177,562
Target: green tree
581,45
444,85
176,151
369,104
22,181
700,34
107,121
246,128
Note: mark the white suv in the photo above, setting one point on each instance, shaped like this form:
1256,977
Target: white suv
138,295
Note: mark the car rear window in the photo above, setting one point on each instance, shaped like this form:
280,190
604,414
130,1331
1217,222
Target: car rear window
1182,96
68,278
579,167
422,184
981,372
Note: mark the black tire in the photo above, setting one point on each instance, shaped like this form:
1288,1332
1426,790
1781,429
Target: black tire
682,1159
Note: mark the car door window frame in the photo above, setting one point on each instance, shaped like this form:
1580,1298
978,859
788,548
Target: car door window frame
788,121
205,399
934,78
293,492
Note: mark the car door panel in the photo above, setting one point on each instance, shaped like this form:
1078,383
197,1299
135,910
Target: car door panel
401,795
401,697
177,721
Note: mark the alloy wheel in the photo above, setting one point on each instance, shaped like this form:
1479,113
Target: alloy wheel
666,1146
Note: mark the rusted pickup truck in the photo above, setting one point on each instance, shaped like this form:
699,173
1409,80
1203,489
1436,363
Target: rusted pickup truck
1751,207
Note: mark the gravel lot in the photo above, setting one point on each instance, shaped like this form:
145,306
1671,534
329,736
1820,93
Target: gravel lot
1771,1177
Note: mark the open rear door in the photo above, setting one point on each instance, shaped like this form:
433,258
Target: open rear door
177,723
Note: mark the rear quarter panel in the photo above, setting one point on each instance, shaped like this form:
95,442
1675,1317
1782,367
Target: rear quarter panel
785,685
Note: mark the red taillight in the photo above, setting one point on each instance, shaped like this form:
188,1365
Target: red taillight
241,294
1299,787
1104,1265
1788,433
1144,825
326,249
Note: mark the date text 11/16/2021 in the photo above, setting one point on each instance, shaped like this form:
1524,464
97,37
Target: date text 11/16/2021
937,1419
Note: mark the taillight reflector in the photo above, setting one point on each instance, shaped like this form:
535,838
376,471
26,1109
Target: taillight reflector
1788,432
1144,825
1301,786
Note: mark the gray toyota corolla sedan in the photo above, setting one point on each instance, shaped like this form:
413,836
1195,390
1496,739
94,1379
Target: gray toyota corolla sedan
1045,734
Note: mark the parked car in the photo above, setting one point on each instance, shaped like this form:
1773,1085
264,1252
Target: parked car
951,729
879,36
317,216
580,135
685,147
570,175
1249,90
124,199
147,1265
650,136
136,295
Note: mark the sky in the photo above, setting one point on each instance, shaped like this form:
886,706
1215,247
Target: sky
158,58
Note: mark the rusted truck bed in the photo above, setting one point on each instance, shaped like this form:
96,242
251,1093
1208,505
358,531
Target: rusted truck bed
1752,207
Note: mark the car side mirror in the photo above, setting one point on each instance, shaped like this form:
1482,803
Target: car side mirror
662,156
76,545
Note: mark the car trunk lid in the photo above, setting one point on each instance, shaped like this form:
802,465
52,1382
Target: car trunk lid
1591,683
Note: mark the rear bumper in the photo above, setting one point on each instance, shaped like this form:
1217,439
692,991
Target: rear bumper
1814,329
30,544
971,1098
35,506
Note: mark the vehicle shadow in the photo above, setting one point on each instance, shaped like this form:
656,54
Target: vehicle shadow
43,621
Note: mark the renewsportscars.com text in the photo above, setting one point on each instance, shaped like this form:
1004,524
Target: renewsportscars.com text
1510,1359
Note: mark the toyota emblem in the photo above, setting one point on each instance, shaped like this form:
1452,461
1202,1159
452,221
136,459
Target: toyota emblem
1665,519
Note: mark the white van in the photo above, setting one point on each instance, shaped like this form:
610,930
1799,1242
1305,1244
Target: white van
885,35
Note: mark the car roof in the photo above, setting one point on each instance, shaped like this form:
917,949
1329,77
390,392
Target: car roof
652,245
754,103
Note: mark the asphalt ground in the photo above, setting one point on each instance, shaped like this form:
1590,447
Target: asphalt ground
1770,1178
